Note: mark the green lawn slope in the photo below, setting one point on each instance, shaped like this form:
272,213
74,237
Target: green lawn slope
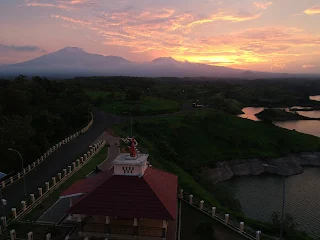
201,138
117,103
185,143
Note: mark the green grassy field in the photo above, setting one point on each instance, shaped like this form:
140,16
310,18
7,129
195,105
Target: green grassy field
117,103
197,139
184,144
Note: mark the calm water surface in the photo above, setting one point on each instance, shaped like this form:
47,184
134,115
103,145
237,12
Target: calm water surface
261,195
315,98
305,126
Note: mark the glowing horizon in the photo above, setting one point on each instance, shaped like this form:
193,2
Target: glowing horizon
278,36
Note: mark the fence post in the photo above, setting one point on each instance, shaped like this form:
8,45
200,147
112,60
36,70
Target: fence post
19,176
190,199
258,234
241,227
213,212
13,235
201,205
69,169
34,164
64,172
32,197
4,221
40,192
30,235
181,193
3,184
226,218
24,205
48,236
53,181
81,159
29,168
59,176
74,165
47,186
14,212
11,179
78,162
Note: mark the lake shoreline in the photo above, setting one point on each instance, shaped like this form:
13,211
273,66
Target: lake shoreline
290,165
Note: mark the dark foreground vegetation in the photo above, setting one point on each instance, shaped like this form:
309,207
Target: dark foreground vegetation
36,114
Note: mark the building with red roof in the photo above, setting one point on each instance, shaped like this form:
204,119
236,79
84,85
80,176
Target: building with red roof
131,199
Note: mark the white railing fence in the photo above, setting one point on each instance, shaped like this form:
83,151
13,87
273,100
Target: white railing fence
30,167
223,218
43,192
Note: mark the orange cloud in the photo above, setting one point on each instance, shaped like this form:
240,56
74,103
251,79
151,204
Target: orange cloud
36,4
262,5
312,11
62,4
171,32
308,66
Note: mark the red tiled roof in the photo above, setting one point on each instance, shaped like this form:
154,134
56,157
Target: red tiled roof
154,195
86,185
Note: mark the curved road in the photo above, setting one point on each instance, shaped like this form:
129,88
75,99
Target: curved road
58,160
62,158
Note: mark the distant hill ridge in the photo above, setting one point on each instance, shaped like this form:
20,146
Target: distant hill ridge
74,61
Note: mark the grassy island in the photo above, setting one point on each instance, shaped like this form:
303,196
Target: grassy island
272,114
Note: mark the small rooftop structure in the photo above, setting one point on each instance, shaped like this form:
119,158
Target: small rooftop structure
132,197
127,165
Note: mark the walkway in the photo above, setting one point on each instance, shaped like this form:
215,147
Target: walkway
58,160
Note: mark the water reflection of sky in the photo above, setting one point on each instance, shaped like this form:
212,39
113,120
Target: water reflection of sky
249,113
315,98
260,196
311,127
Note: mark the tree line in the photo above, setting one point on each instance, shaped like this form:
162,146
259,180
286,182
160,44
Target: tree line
36,114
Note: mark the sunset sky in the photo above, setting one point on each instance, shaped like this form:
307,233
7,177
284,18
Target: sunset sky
265,35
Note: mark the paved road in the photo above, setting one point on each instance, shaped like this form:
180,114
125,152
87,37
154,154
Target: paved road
58,160
62,158
58,210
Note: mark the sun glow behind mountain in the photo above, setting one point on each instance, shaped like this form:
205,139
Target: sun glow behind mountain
254,35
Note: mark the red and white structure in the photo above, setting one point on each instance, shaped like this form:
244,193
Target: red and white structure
132,199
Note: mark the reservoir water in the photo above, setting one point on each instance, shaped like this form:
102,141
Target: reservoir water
260,196
305,126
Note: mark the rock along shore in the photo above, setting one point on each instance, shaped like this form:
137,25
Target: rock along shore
290,165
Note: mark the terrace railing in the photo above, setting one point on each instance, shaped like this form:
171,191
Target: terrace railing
56,181
223,218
